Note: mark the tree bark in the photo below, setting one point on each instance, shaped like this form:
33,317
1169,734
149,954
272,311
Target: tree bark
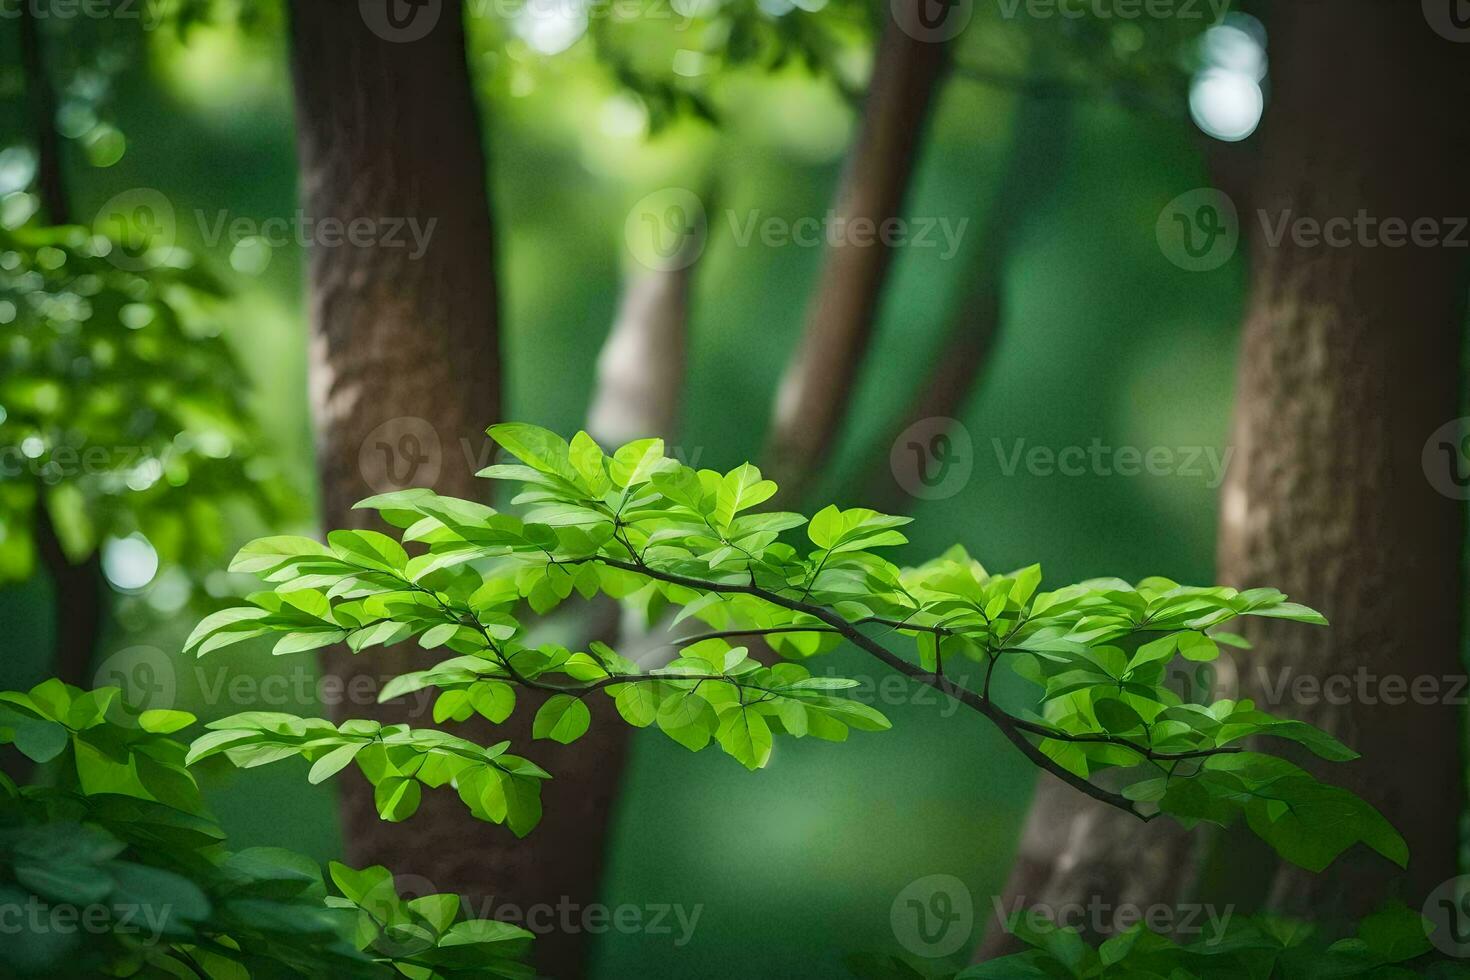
405,376
1350,360
641,368
817,386
79,598
78,602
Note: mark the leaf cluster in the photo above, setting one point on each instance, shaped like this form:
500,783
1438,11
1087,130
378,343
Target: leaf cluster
636,525
112,866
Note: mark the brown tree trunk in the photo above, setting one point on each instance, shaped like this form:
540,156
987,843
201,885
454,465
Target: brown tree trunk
405,376
641,368
78,586
814,392
1350,360
1040,129
78,602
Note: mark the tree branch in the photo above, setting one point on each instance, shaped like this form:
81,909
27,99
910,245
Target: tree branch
814,392
1015,729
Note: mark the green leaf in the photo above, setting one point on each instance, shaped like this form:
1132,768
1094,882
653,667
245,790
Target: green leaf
538,448
636,462
1293,611
741,489
453,705
495,700
162,721
636,703
304,641
267,554
1198,647
398,798
825,528
334,762
40,741
587,459
522,805
745,736
356,885
563,718
1117,716
369,549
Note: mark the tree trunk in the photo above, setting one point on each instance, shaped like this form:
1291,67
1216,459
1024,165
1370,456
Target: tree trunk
641,368
79,597
405,376
814,392
1040,130
1350,360
78,602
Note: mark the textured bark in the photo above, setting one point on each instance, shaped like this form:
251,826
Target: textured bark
814,392
1350,359
405,378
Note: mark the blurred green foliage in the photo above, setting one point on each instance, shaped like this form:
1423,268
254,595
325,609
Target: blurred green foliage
112,866
121,408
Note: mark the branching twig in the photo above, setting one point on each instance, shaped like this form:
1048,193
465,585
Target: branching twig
1015,729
